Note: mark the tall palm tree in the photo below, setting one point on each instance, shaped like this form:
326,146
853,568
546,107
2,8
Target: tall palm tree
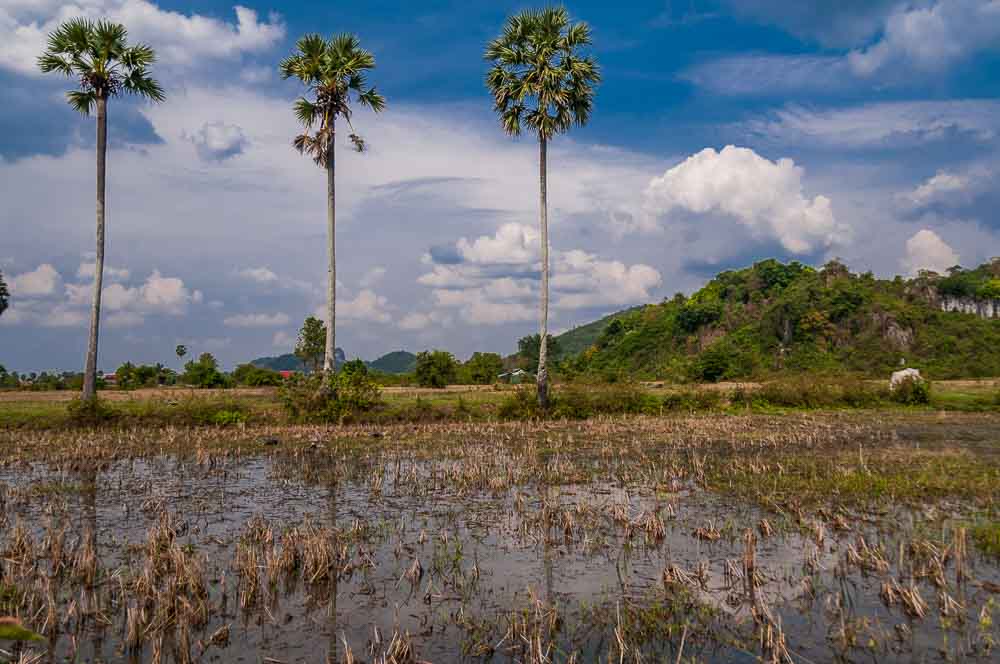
334,73
542,83
107,66
4,295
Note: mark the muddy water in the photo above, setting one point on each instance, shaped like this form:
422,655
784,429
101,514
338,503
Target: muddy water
517,572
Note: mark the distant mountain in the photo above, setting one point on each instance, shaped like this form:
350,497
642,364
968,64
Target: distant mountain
288,361
396,362
775,317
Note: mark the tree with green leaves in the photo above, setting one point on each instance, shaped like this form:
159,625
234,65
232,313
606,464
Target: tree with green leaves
4,295
483,368
435,368
99,55
311,345
541,83
334,74
528,350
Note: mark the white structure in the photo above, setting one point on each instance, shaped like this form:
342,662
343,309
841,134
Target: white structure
899,377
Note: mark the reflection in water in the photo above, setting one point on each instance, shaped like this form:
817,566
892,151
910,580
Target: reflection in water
411,560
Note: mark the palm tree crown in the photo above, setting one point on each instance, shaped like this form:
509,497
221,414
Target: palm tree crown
99,54
538,79
334,72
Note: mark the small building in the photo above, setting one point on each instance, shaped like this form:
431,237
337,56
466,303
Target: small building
286,374
110,378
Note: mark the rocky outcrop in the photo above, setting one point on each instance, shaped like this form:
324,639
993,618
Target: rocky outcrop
900,377
900,337
968,305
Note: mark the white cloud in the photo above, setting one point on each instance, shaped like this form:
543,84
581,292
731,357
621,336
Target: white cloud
218,141
948,188
167,294
87,270
366,306
43,280
512,244
422,321
885,124
765,74
765,196
582,281
184,40
373,276
257,320
931,38
483,295
927,251
261,275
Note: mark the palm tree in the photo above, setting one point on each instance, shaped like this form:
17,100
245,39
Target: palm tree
334,73
4,295
540,81
106,65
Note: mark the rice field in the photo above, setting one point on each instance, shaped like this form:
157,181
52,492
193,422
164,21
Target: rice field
802,537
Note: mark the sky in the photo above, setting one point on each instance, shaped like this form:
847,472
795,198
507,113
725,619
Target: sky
724,132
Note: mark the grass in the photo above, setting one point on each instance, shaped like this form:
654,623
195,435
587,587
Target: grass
986,535
261,407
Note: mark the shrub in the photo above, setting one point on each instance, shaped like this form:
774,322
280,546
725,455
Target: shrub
228,417
713,363
88,412
520,405
912,391
317,398
204,373
692,400
808,391
252,376
435,368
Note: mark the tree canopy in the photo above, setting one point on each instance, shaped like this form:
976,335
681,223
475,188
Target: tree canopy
539,79
4,295
311,345
334,72
99,55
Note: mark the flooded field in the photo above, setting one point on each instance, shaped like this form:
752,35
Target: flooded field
800,538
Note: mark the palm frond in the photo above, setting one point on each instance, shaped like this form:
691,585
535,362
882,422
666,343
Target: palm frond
82,101
139,83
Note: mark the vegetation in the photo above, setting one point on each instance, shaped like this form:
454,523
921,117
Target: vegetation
311,346
130,376
99,56
540,82
331,397
529,349
481,369
204,372
435,368
252,376
780,319
333,73
981,283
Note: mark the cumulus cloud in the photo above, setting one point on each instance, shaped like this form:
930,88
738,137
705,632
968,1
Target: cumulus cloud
490,288
365,306
43,280
261,275
87,271
948,189
179,39
218,141
421,321
282,339
931,38
925,250
256,320
124,305
765,196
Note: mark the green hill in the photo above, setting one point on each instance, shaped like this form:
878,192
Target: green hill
288,361
396,362
776,317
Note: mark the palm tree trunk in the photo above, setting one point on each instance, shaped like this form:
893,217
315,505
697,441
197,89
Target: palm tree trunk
329,361
543,372
90,367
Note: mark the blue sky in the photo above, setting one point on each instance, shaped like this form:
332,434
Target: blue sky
724,132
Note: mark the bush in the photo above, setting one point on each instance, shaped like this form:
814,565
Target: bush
345,395
435,368
204,373
912,392
89,412
807,391
225,418
692,400
251,376
520,405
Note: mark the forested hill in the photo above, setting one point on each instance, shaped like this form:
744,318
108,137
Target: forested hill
776,317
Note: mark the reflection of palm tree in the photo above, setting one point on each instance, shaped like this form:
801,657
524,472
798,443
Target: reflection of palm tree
332,655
